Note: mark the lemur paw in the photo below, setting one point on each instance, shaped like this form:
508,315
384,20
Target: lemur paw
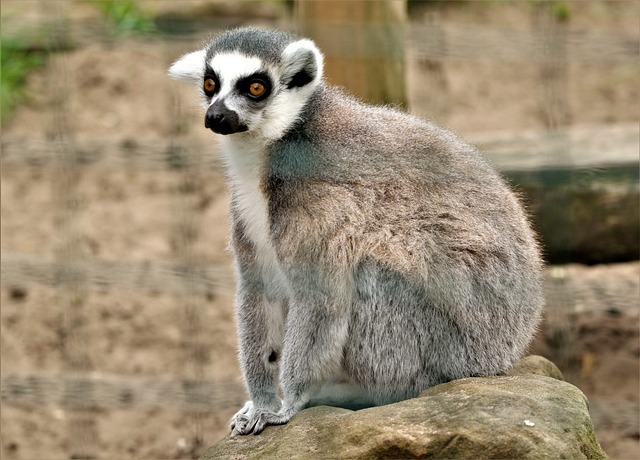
253,420
241,419
265,418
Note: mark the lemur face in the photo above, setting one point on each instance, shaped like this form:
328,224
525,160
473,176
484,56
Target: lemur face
252,81
238,89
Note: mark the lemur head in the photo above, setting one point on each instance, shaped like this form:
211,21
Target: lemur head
252,80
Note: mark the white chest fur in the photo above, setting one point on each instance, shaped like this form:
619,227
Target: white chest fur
245,163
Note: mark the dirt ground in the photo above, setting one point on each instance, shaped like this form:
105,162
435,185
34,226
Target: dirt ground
115,267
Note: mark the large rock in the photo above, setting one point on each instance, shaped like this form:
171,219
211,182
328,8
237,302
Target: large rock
529,413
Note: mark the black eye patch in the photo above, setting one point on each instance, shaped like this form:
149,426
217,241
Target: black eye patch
210,82
256,87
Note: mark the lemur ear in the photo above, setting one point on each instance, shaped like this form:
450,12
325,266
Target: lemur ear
189,67
303,64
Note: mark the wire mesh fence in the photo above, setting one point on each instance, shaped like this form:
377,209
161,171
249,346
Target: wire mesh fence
117,290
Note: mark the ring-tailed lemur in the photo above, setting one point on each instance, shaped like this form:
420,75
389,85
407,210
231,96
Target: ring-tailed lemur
377,254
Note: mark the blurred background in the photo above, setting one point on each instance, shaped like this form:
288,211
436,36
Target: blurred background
117,326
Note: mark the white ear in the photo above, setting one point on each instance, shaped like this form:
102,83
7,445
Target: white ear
304,64
189,67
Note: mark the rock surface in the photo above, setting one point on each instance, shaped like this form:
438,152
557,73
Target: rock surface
529,413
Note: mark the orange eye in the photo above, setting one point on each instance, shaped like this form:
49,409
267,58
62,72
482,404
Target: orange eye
209,85
257,89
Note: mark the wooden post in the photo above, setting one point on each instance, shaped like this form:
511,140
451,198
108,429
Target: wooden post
71,290
363,44
551,33
430,78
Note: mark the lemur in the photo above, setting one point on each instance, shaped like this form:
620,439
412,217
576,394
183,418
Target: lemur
377,254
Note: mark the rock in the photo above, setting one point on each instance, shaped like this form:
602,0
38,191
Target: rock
529,413
536,365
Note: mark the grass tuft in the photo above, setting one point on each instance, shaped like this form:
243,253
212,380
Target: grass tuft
17,60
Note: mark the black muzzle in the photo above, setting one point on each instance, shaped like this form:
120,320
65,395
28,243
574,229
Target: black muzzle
221,120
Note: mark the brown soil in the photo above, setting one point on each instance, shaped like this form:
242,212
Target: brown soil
132,202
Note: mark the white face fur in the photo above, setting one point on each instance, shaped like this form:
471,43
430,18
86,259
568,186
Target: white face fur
266,117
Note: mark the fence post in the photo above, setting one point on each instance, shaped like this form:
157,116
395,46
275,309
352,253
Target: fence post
363,43
71,290
430,61
551,35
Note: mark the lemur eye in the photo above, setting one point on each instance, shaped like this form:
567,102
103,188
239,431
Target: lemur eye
209,86
257,88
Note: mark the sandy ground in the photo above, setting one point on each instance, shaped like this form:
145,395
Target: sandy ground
114,263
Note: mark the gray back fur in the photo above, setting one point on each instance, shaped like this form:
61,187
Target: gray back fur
443,269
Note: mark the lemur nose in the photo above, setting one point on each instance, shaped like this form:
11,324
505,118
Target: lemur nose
220,119
212,118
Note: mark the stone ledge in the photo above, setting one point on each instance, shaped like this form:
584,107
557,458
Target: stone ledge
529,413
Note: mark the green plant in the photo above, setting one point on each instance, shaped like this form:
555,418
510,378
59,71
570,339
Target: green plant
17,60
126,16
561,11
